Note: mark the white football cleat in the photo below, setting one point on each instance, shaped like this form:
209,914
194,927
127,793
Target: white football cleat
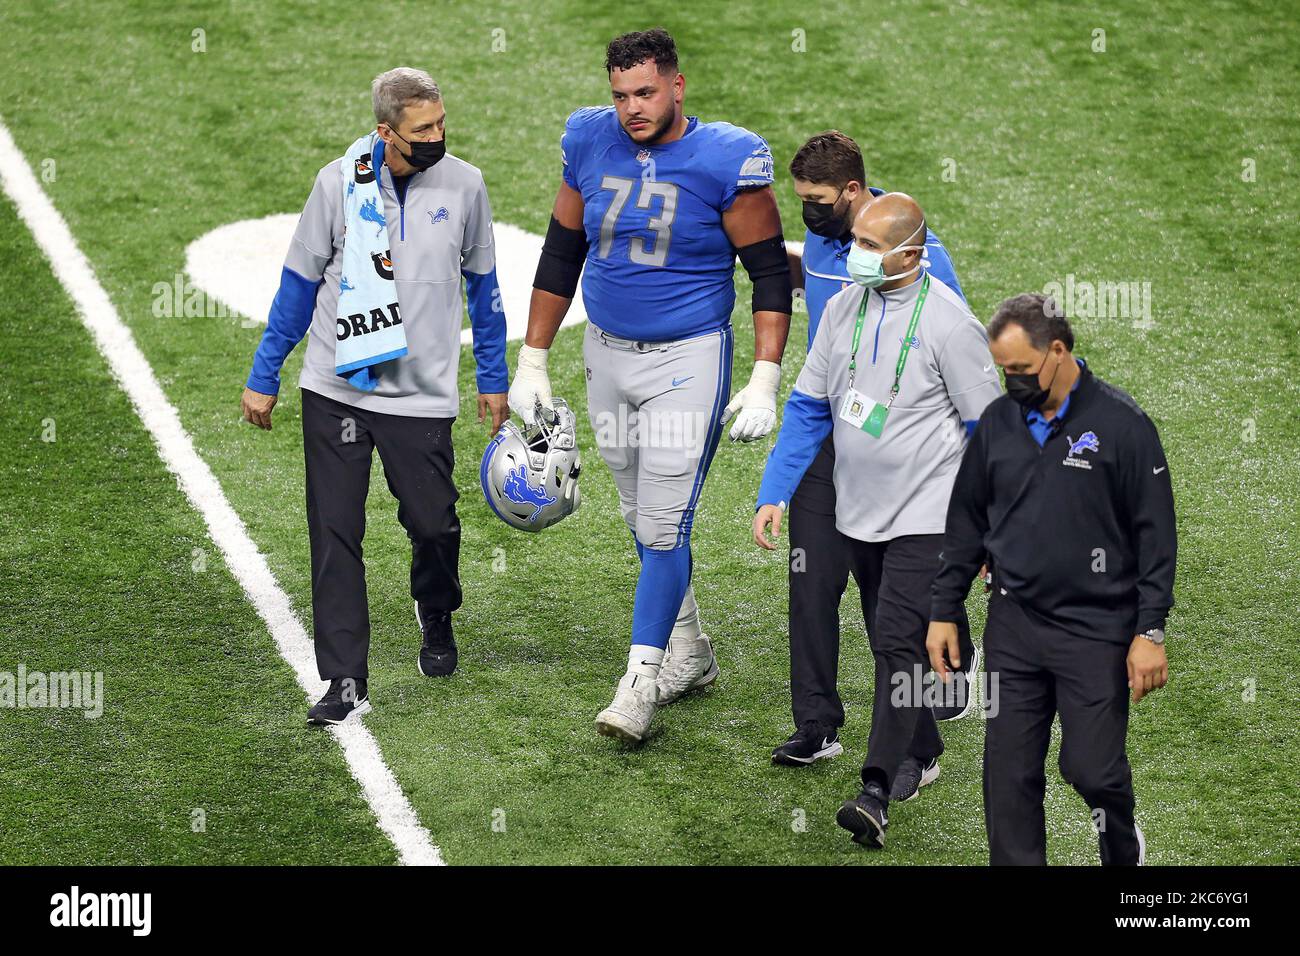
628,717
689,664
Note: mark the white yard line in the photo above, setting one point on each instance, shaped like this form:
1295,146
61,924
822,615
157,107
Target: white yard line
396,817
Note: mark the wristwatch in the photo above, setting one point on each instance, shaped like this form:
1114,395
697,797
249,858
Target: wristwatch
1155,635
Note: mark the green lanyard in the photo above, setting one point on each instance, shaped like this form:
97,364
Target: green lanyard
907,339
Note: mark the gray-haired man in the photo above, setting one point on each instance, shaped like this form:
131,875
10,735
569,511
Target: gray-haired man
392,227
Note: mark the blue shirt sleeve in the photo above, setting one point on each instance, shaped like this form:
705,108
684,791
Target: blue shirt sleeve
573,141
941,264
487,319
743,161
805,423
287,323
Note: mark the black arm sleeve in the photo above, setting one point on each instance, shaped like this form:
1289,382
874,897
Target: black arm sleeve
968,522
560,264
1155,535
769,270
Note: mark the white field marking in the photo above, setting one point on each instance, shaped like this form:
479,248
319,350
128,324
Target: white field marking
239,264
396,817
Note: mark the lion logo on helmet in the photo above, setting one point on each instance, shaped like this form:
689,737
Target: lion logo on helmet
517,489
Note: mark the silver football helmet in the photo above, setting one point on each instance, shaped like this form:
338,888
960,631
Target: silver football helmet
530,475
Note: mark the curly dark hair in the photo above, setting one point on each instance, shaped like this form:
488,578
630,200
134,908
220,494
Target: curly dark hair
626,51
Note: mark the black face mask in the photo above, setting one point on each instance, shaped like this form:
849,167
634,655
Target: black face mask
1023,387
822,219
423,155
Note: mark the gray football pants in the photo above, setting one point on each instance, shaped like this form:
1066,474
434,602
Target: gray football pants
656,409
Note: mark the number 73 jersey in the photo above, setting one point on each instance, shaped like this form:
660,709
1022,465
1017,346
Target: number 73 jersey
659,265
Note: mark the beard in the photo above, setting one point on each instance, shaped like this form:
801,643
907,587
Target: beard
657,130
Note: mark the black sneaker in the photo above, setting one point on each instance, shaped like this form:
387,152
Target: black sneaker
810,743
864,816
912,775
346,699
438,655
960,694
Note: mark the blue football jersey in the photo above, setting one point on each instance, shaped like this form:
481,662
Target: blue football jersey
825,271
659,265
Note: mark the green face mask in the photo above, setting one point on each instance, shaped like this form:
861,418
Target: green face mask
867,268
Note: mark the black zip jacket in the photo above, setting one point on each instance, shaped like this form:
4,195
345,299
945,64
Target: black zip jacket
1081,531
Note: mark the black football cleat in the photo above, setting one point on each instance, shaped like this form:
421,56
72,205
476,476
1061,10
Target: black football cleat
810,743
438,654
912,775
346,699
864,816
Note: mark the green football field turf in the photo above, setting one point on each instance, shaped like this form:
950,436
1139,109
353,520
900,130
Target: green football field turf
1169,159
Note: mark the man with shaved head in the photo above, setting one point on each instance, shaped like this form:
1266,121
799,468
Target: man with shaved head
829,177
898,374
898,211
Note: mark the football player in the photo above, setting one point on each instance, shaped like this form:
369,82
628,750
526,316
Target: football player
658,205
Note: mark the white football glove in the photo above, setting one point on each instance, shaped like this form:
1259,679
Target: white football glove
756,403
531,385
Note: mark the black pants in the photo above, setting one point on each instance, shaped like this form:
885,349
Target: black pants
1041,671
819,572
338,440
895,578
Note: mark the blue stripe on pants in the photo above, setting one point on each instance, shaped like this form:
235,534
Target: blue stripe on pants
720,400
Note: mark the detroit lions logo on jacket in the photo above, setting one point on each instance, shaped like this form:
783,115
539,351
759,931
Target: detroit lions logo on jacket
1088,441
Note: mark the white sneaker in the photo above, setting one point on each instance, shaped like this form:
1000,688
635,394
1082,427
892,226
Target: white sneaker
689,664
628,717
1142,846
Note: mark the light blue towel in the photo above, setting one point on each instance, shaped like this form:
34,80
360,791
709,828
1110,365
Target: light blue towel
367,289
